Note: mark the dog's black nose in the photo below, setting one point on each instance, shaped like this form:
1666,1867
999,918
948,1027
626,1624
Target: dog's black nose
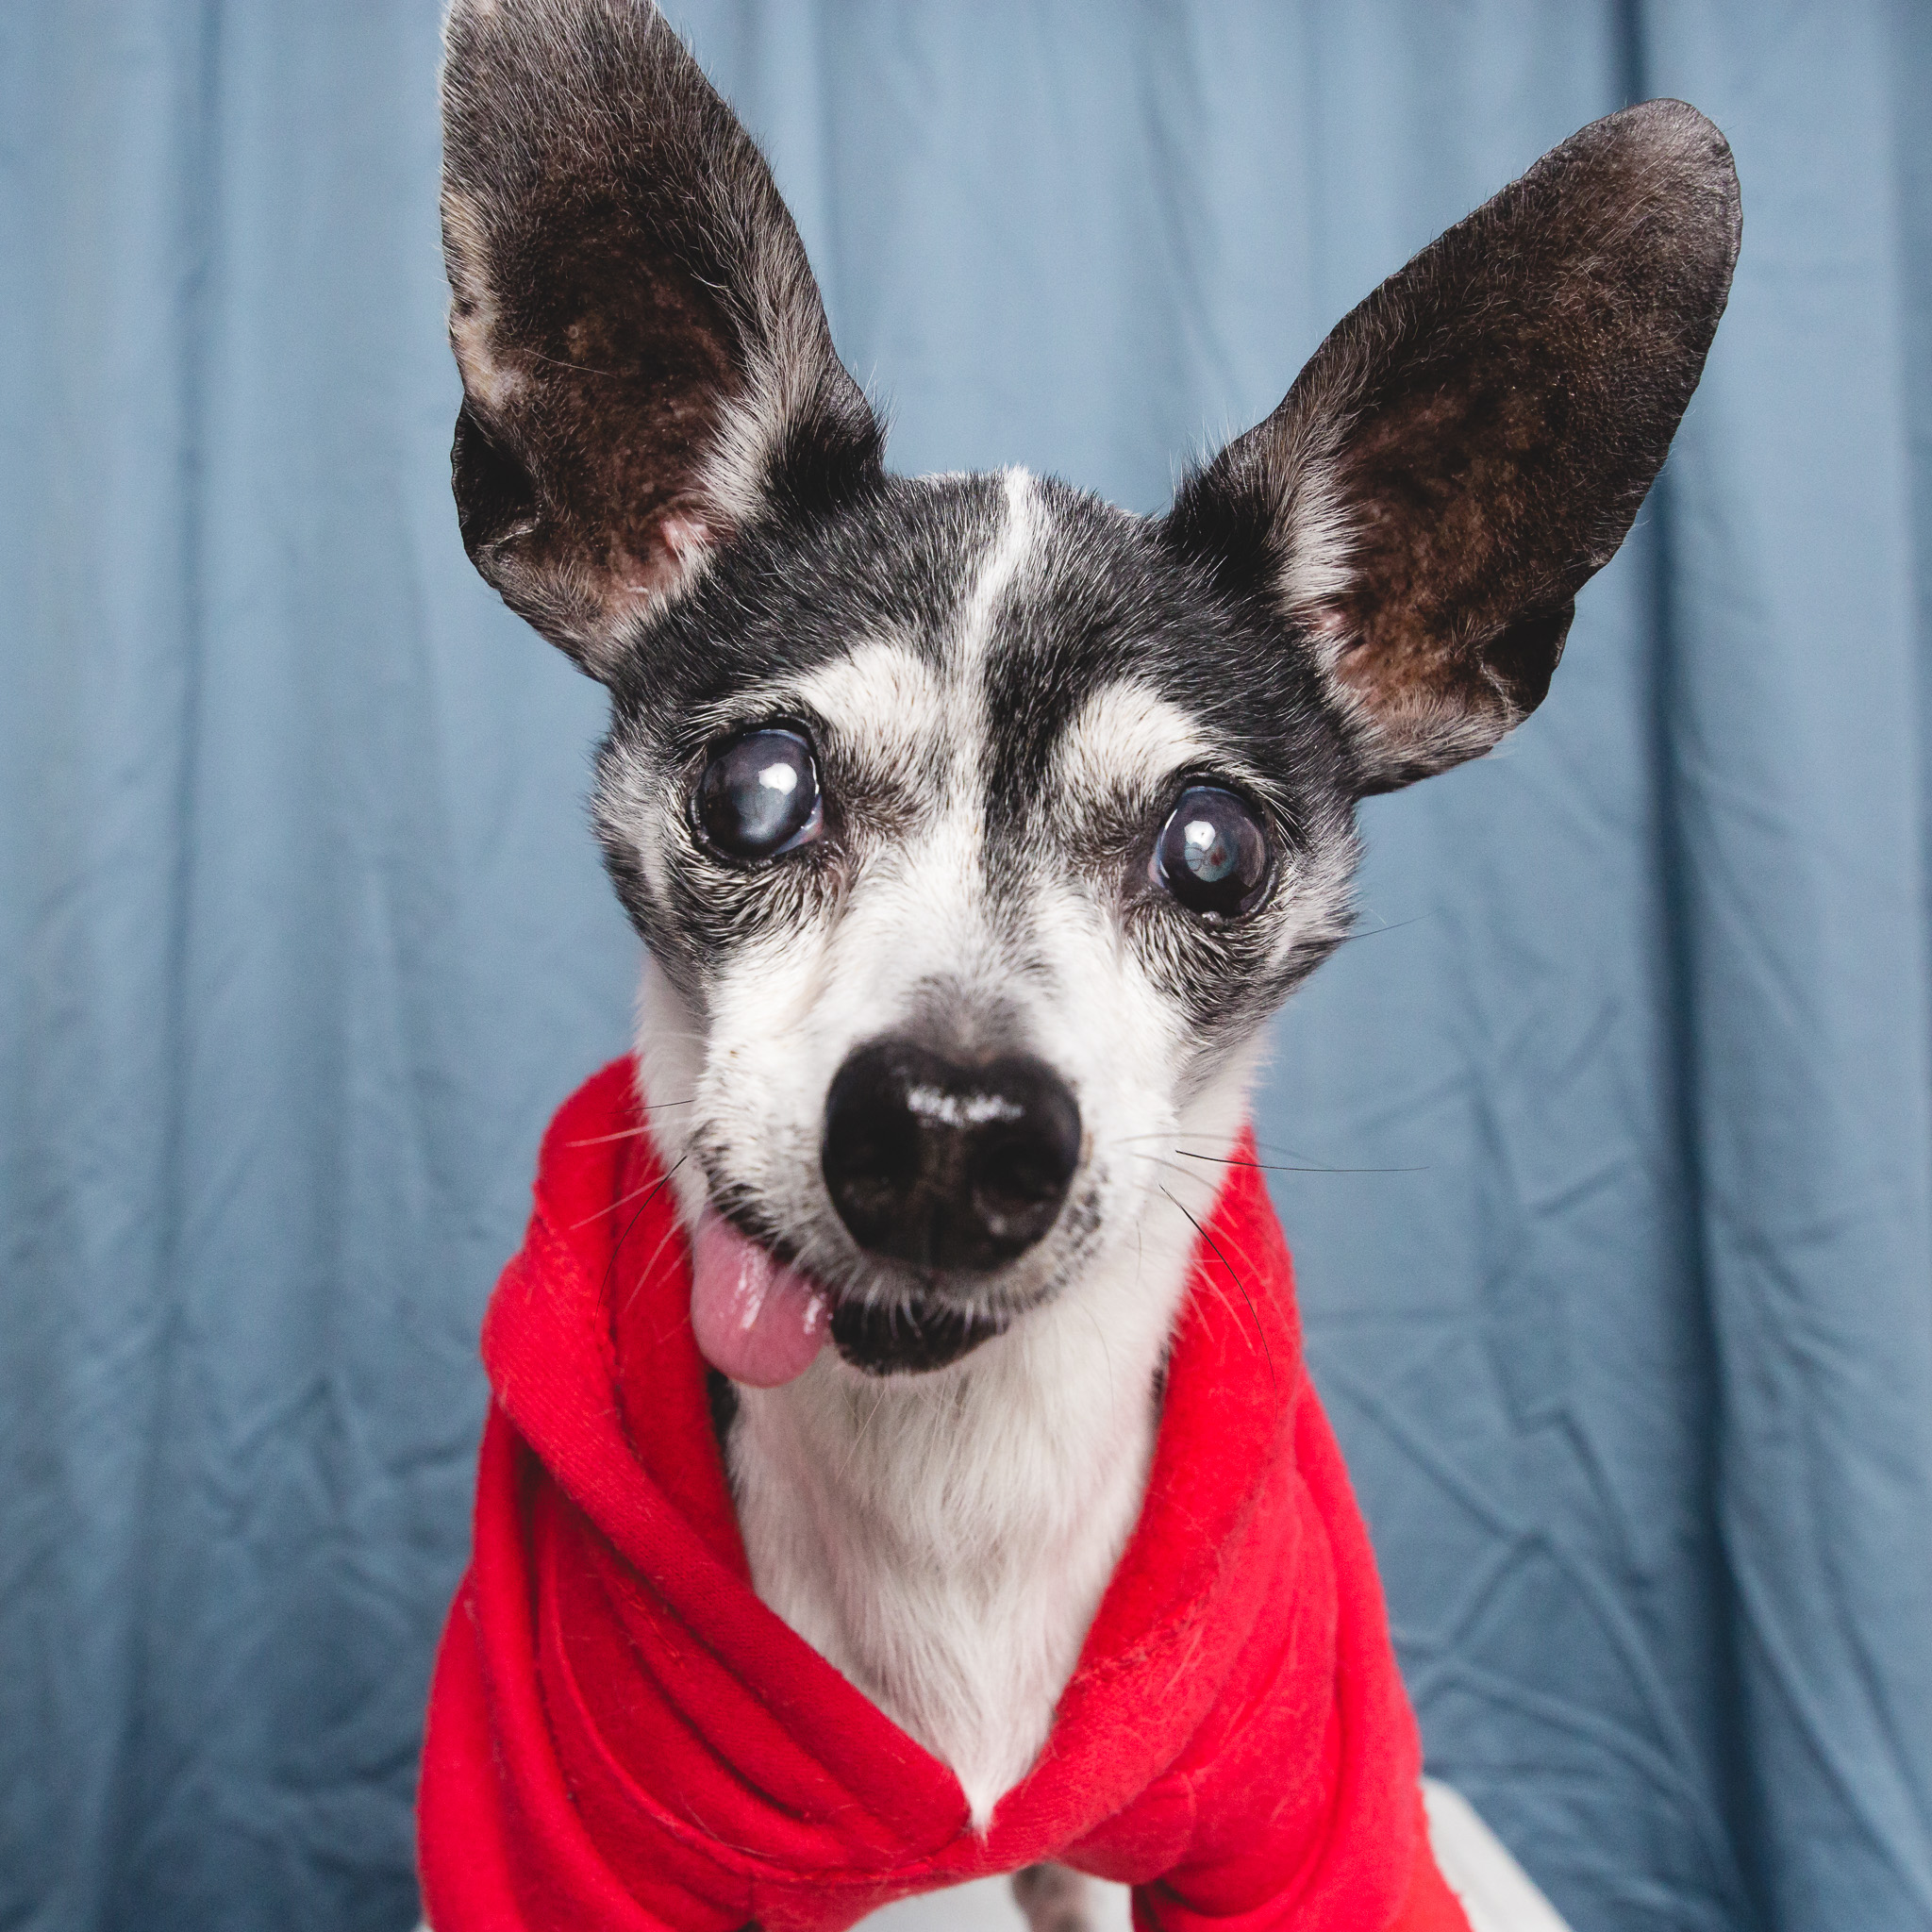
948,1166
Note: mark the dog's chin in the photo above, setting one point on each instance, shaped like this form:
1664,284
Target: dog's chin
911,1336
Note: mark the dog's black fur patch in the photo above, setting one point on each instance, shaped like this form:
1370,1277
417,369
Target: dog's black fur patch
908,1338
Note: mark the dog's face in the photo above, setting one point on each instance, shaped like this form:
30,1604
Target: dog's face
974,837
974,828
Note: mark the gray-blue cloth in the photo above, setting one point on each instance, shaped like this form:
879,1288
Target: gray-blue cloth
1607,1147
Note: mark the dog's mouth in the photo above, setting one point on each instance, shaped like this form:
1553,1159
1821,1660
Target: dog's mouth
905,1338
761,1320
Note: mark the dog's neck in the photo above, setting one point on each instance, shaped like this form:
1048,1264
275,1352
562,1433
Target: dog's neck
944,1538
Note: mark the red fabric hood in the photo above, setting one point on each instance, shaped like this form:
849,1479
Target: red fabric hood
624,1739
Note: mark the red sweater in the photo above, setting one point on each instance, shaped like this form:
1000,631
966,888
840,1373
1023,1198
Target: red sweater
624,1739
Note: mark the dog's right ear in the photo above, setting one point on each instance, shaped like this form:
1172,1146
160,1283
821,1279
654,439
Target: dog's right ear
646,364
1473,443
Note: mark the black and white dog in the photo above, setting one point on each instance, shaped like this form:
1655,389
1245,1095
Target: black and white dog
974,828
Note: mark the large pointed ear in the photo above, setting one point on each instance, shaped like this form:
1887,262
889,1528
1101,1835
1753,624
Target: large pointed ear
646,366
1472,443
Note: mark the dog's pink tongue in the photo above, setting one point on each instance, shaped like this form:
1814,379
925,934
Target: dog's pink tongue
758,1320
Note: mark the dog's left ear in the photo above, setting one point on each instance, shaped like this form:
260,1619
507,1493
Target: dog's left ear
646,366
1473,443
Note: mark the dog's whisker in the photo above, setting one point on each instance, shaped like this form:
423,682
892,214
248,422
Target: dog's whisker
628,1133
1277,1167
1219,1295
648,1269
1260,1333
1161,1161
1194,1176
1370,932
1299,1163
1172,1134
650,1195
623,1201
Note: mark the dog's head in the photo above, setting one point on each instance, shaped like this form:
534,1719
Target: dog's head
974,826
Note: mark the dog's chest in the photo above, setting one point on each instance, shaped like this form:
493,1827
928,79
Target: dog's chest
946,1546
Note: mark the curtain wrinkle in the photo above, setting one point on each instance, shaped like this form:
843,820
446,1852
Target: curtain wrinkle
1801,795
1624,1302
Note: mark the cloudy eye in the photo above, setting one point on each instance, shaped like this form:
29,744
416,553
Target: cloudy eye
1212,854
759,795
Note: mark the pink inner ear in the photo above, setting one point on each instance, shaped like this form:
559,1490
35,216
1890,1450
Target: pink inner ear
680,539
684,536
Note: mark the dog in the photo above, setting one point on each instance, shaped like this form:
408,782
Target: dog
974,828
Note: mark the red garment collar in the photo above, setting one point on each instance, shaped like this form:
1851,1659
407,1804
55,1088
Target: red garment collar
624,1739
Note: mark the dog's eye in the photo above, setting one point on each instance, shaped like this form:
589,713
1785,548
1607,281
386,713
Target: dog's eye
759,795
1212,854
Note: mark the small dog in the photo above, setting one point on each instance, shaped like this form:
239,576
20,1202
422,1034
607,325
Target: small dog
974,827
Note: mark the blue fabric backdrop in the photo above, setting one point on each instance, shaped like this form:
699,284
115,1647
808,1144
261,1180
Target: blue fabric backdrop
1629,1328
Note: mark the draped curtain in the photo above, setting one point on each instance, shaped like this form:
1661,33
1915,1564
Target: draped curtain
1605,1148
